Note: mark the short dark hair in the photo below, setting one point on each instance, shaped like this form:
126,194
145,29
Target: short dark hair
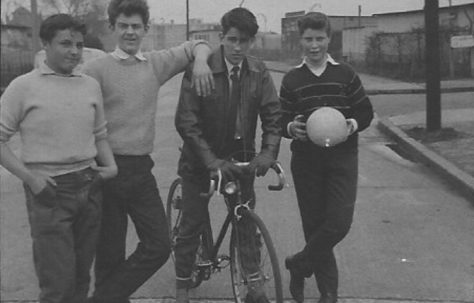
128,8
58,22
314,20
240,18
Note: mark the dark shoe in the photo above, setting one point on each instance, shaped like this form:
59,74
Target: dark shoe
94,300
249,298
256,293
182,295
296,280
328,298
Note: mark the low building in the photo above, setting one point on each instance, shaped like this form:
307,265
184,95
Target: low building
16,52
396,40
205,31
16,37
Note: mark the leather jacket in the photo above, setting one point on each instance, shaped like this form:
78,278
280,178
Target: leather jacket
207,125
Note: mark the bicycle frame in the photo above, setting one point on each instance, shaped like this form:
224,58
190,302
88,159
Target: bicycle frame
208,261
233,210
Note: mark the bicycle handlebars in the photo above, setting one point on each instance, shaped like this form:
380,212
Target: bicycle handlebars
217,178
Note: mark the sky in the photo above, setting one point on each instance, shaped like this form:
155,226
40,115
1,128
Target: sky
268,12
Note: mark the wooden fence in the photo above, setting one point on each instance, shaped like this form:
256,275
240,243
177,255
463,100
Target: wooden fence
14,62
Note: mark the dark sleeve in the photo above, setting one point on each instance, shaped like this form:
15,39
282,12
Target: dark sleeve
270,115
287,101
189,123
361,107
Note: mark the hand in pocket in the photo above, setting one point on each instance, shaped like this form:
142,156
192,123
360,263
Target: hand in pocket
47,196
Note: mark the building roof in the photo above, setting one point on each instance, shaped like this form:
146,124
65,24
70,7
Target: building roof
421,10
14,26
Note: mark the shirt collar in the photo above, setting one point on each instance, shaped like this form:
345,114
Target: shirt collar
119,54
230,66
46,70
318,71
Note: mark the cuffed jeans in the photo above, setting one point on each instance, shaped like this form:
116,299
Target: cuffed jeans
132,193
65,223
194,216
326,186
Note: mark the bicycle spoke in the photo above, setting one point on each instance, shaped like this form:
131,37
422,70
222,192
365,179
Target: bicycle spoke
264,276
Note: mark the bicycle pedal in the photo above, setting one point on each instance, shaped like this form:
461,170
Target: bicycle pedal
223,261
177,203
222,258
205,269
204,264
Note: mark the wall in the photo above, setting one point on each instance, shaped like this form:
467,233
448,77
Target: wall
354,43
406,21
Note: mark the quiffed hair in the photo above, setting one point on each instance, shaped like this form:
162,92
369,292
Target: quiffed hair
128,8
314,20
240,18
58,22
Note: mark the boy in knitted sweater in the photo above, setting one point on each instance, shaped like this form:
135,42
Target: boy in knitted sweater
130,82
325,178
59,115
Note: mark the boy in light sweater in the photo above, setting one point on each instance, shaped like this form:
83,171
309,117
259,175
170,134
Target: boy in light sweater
130,82
59,115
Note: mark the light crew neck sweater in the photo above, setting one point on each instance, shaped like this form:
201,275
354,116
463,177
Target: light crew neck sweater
59,119
130,88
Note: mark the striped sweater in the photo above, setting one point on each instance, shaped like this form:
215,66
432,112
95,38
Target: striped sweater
302,92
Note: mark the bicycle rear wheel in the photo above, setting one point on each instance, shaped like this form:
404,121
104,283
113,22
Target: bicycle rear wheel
268,274
173,215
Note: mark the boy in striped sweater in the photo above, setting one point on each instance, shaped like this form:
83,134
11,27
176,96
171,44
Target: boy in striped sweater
325,178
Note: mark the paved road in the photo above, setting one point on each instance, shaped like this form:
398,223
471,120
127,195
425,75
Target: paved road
411,238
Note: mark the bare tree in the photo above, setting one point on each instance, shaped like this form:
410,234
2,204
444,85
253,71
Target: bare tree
91,12
77,8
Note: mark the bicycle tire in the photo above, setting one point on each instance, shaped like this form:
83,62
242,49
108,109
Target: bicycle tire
173,216
269,267
173,212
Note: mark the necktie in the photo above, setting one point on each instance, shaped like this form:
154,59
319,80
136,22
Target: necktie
235,99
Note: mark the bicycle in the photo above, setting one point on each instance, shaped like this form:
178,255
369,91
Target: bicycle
209,261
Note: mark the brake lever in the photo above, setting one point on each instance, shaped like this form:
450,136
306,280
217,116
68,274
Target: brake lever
212,184
281,177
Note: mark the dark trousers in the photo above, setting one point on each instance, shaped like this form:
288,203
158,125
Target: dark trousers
132,193
195,215
326,186
65,223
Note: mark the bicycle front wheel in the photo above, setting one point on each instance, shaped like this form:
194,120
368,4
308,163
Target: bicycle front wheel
173,210
254,263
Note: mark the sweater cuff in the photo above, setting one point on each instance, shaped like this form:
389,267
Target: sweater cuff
354,125
196,43
288,130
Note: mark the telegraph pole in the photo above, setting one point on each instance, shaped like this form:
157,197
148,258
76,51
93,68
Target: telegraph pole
433,90
34,26
187,20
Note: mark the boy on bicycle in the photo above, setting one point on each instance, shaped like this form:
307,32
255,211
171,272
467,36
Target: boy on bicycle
215,127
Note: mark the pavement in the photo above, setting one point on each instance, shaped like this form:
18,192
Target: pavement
451,155
453,159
